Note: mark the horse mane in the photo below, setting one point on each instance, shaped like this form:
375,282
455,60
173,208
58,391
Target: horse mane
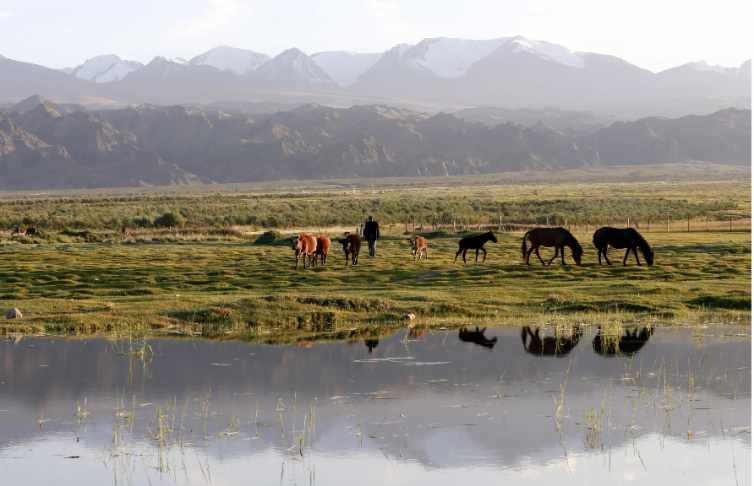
646,250
573,243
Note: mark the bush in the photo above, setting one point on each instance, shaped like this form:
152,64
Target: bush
269,237
169,220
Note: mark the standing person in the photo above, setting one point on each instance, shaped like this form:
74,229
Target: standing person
372,234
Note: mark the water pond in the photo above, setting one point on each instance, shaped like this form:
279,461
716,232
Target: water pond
501,405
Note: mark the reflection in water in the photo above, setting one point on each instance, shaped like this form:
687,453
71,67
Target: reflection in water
431,411
414,334
371,344
627,344
477,337
559,345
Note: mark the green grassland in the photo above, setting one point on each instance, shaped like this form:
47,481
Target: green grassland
222,284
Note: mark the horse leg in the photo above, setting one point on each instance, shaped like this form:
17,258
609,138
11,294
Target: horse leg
539,256
608,261
557,248
464,256
346,258
476,260
296,262
625,257
599,255
485,255
459,252
562,255
637,257
528,254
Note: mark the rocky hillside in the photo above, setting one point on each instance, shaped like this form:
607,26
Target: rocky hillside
148,145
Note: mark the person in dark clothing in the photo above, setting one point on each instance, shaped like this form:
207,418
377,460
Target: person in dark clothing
372,234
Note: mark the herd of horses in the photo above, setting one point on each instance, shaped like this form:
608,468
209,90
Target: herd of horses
309,246
24,231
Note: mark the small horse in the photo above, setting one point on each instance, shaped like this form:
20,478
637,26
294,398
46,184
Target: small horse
351,246
557,237
323,248
558,346
477,337
125,232
18,231
419,245
475,242
619,238
304,245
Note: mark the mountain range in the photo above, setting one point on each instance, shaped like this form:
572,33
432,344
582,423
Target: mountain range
437,74
44,147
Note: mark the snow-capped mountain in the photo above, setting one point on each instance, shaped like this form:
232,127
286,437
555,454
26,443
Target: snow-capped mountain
727,71
450,58
105,69
345,67
225,57
178,71
290,69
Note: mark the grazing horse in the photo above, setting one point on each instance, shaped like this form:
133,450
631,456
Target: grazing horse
619,238
477,337
18,231
627,344
323,248
419,245
559,346
126,232
304,245
475,242
31,231
351,246
557,237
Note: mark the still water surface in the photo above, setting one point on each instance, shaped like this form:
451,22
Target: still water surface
508,405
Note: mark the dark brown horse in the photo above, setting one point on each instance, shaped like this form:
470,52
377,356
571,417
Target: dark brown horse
31,231
620,238
559,345
475,242
18,231
477,337
557,237
351,247
323,248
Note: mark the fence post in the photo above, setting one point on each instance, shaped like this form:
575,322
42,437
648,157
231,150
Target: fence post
707,223
500,223
730,221
688,222
628,220
454,225
668,223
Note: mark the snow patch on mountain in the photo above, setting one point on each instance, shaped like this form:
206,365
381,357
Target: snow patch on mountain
725,71
225,57
345,67
549,51
291,68
451,58
105,69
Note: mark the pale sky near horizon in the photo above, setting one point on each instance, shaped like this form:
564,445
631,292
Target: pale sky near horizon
653,34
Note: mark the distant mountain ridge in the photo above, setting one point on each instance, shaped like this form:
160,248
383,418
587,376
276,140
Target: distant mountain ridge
149,145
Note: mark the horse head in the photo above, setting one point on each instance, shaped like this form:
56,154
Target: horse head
296,244
493,238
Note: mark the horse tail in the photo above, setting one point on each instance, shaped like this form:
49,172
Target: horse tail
523,245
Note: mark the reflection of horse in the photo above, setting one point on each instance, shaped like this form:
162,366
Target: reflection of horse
475,242
628,344
371,344
477,337
416,334
620,238
557,237
559,345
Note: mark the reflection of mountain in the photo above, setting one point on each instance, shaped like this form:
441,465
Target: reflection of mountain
446,398
627,344
559,345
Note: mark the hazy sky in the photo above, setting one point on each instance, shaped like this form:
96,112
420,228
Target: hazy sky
653,34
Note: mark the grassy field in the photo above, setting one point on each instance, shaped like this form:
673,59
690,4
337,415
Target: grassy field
225,285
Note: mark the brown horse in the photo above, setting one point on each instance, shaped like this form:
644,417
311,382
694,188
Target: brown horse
304,245
351,246
620,238
323,248
560,345
475,242
125,232
419,245
18,231
557,237
31,231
